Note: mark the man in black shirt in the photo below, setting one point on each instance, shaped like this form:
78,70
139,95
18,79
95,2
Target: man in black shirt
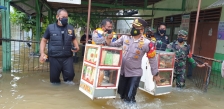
161,38
149,33
61,39
83,41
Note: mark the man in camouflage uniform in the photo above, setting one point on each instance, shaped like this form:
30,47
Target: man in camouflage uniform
182,51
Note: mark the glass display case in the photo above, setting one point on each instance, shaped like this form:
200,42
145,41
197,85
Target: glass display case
100,71
165,78
110,57
107,78
165,59
166,68
88,74
91,54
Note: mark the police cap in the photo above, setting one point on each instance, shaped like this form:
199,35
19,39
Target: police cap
140,22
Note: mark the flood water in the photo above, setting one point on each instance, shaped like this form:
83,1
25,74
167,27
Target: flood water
32,90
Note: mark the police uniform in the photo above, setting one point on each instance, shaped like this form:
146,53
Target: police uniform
131,71
181,53
59,51
161,41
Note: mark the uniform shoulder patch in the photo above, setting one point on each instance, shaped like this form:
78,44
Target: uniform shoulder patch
166,37
152,50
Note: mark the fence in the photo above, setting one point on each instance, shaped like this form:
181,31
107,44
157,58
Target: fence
209,76
24,59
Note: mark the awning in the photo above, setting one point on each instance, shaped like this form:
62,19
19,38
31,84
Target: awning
218,3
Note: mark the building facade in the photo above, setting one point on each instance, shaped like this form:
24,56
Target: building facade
209,40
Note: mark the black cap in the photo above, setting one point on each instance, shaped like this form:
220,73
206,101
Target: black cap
140,22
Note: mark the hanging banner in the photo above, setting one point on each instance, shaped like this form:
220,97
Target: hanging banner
66,1
185,22
221,30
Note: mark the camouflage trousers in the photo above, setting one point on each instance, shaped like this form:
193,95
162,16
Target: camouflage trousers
180,80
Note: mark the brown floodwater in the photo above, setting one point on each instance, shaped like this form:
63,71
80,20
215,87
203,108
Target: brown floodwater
31,89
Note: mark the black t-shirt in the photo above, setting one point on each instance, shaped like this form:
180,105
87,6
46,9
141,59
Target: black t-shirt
161,41
148,35
83,38
63,28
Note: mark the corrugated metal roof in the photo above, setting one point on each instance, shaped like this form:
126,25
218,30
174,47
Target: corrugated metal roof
218,3
27,6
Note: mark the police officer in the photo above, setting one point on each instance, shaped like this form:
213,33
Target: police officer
134,48
60,36
182,51
161,38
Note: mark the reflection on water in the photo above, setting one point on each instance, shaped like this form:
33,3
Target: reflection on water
32,90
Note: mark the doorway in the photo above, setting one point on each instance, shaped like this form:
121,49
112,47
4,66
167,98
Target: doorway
206,37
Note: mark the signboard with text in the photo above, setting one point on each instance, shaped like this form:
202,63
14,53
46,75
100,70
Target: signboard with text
221,30
66,1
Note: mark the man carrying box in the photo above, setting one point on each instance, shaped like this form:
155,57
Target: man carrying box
134,48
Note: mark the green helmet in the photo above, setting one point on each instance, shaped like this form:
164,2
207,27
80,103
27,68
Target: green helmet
183,32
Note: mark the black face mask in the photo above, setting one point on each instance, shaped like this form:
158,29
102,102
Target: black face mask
64,21
180,39
162,31
108,31
135,32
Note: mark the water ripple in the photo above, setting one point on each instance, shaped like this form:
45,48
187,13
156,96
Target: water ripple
19,97
119,104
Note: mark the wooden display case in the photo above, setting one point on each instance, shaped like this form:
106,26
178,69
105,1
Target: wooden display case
100,71
166,61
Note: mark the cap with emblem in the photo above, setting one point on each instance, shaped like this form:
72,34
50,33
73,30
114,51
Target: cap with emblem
140,22
150,29
183,32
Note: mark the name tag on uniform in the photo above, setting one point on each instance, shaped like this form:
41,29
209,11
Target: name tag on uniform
54,34
138,48
62,32
70,32
70,35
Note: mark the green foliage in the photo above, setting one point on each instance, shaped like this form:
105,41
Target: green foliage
27,22
45,24
20,18
81,21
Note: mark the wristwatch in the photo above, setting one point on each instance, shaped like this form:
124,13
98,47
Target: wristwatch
105,43
157,74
